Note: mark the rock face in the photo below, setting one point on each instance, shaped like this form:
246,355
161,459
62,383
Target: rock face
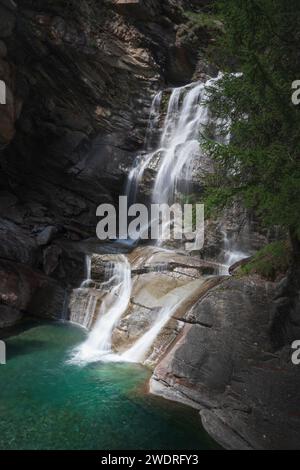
10,111
24,289
80,78
242,229
224,364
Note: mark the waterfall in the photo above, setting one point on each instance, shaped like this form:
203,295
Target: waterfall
135,176
186,117
170,151
179,144
143,161
153,123
98,344
232,255
87,271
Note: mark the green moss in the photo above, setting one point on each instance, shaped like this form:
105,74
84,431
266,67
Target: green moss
270,262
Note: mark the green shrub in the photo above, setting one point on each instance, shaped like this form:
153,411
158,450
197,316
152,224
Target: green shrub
270,262
204,20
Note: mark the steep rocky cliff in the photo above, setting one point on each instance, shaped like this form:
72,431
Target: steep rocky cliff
80,78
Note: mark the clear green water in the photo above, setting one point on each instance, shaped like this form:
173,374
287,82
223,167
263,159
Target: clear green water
47,404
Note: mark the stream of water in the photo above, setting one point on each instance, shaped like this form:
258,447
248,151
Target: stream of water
232,255
98,344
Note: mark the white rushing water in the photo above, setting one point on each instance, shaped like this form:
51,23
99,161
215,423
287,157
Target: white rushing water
88,271
186,117
153,123
232,255
172,150
143,161
178,144
98,344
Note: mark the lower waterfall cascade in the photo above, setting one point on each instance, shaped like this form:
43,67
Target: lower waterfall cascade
98,344
173,152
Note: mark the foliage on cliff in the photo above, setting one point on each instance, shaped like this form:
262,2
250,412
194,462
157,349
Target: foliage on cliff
270,262
261,163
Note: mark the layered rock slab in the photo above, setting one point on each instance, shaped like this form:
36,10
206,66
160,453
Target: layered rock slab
223,364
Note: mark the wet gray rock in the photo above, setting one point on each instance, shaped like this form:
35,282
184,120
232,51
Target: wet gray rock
140,9
51,258
137,320
82,301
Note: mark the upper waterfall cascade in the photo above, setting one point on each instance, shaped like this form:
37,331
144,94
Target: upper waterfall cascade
173,149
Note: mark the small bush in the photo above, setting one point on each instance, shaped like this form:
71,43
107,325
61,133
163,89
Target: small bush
270,262
204,20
